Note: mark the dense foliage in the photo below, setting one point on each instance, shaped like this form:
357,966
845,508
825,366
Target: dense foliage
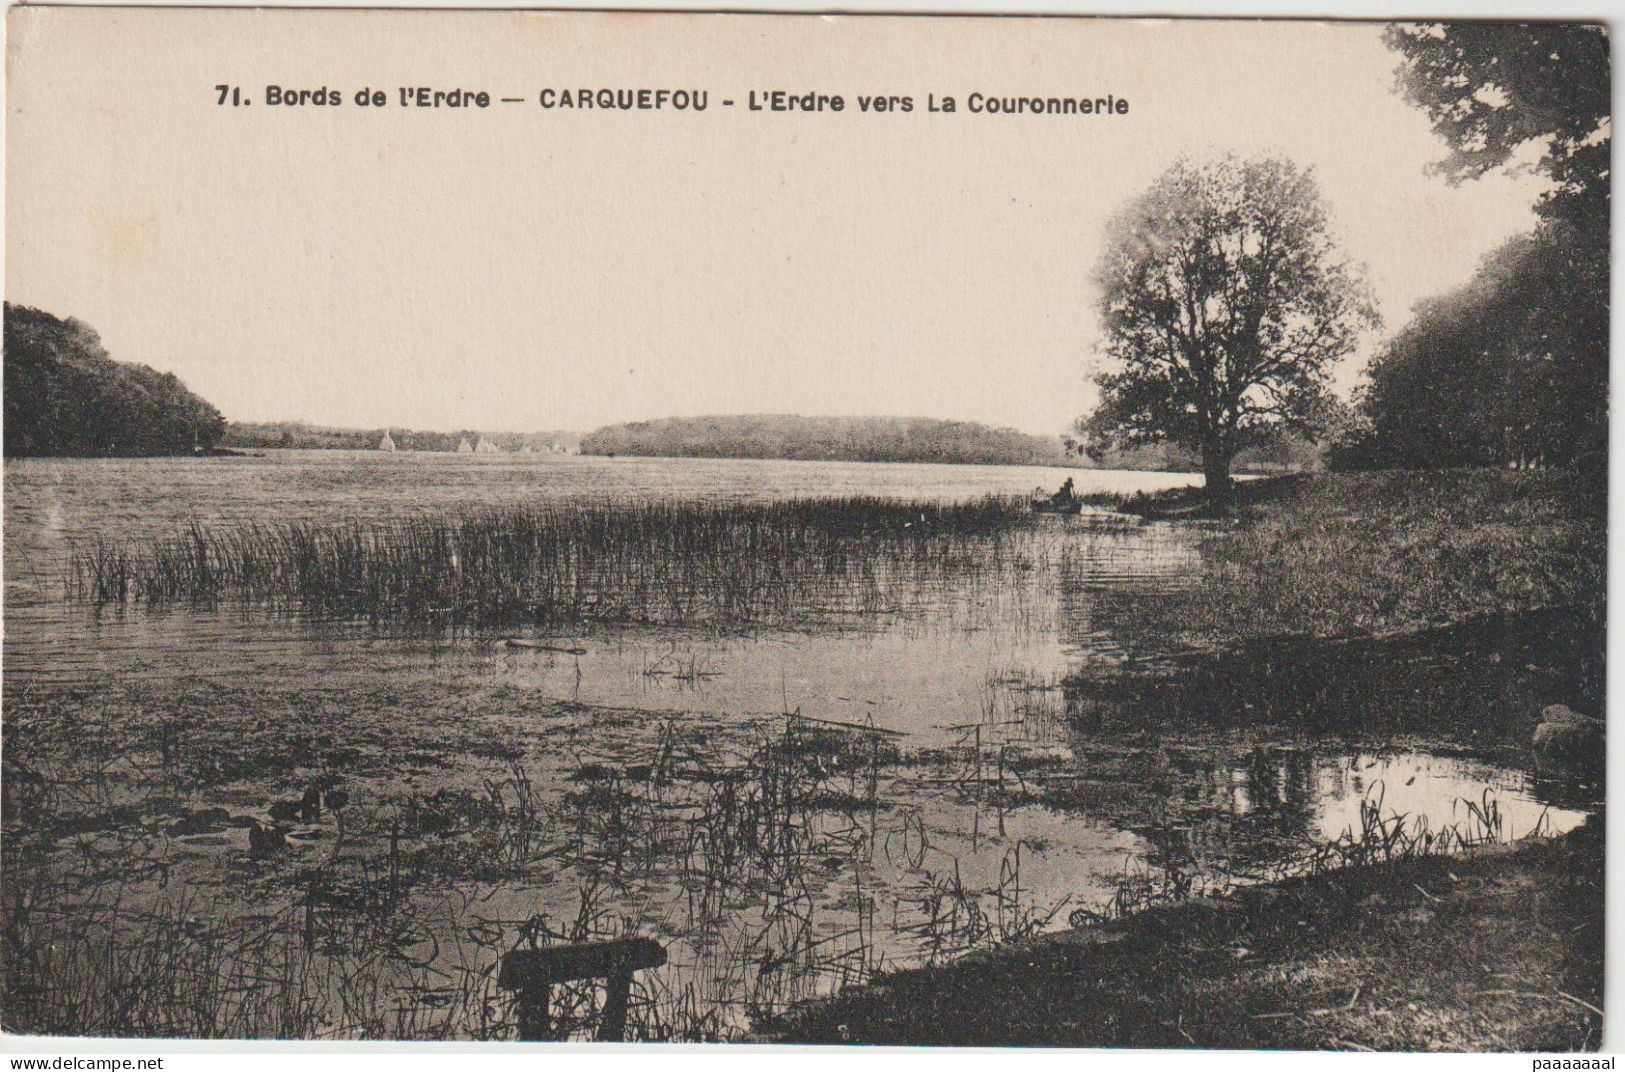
1512,368
857,439
65,396
1509,369
1225,304
1493,88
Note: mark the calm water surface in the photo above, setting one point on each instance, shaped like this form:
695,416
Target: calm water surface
968,810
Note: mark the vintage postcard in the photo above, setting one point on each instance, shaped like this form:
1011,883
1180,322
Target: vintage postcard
953,531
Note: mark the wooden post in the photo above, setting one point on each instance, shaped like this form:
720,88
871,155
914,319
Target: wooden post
617,993
531,973
534,1014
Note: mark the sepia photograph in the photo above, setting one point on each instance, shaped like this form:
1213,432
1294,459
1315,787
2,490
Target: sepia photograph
564,527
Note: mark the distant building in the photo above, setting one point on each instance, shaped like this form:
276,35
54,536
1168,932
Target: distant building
387,445
464,448
486,447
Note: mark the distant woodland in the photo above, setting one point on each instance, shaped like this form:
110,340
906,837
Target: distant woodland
65,396
890,439
872,439
297,435
853,439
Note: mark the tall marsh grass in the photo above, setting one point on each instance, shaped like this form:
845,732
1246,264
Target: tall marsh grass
660,562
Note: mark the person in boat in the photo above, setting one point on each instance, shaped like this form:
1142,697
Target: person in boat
1064,496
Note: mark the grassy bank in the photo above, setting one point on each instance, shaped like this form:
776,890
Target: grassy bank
1496,951
1381,553
1446,604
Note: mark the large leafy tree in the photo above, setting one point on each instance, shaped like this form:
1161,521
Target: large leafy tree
1225,303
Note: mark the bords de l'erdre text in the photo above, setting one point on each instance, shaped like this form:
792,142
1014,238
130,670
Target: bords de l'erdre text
599,99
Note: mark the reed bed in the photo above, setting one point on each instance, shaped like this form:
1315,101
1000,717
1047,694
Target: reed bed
660,562
389,931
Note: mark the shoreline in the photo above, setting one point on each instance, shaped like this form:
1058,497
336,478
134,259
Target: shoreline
1379,554
1396,624
1497,950
1459,600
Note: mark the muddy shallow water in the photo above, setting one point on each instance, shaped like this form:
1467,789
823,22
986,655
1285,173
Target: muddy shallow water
788,811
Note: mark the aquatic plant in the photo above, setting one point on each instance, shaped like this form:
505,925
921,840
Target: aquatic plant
1402,836
660,562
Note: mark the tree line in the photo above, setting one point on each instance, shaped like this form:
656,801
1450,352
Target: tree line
299,435
856,439
65,396
1512,368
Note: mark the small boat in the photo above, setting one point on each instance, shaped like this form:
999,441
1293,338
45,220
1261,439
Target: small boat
1070,507
540,645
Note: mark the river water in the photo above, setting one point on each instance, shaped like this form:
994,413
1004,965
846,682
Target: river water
923,785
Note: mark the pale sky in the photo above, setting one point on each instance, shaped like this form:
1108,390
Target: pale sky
518,269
